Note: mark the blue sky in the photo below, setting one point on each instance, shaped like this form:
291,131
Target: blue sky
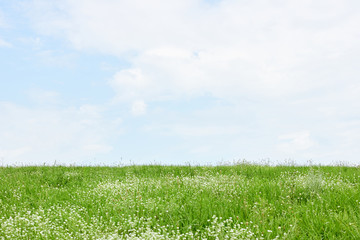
177,82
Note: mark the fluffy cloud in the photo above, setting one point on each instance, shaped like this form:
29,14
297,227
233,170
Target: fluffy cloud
129,84
229,49
290,65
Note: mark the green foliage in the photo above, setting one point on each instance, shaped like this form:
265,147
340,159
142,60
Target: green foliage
174,202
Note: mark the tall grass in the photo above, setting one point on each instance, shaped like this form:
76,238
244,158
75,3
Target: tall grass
172,202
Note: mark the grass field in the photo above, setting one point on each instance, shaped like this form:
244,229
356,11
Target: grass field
180,202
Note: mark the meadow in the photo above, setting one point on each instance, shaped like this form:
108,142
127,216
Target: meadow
180,202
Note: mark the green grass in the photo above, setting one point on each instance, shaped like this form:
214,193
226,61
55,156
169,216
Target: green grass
180,202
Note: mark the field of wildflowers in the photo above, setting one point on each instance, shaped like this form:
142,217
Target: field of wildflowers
180,202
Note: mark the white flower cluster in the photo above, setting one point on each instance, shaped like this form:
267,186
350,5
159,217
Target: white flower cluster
68,222
317,181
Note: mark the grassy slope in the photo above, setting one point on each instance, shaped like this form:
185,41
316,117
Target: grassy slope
95,202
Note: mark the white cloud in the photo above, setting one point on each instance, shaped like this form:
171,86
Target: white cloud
129,84
138,108
283,66
204,130
169,52
300,141
36,136
234,48
97,148
13,153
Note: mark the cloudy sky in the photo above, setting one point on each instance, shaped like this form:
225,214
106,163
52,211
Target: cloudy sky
181,81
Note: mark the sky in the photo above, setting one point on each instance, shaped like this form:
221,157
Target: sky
200,82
